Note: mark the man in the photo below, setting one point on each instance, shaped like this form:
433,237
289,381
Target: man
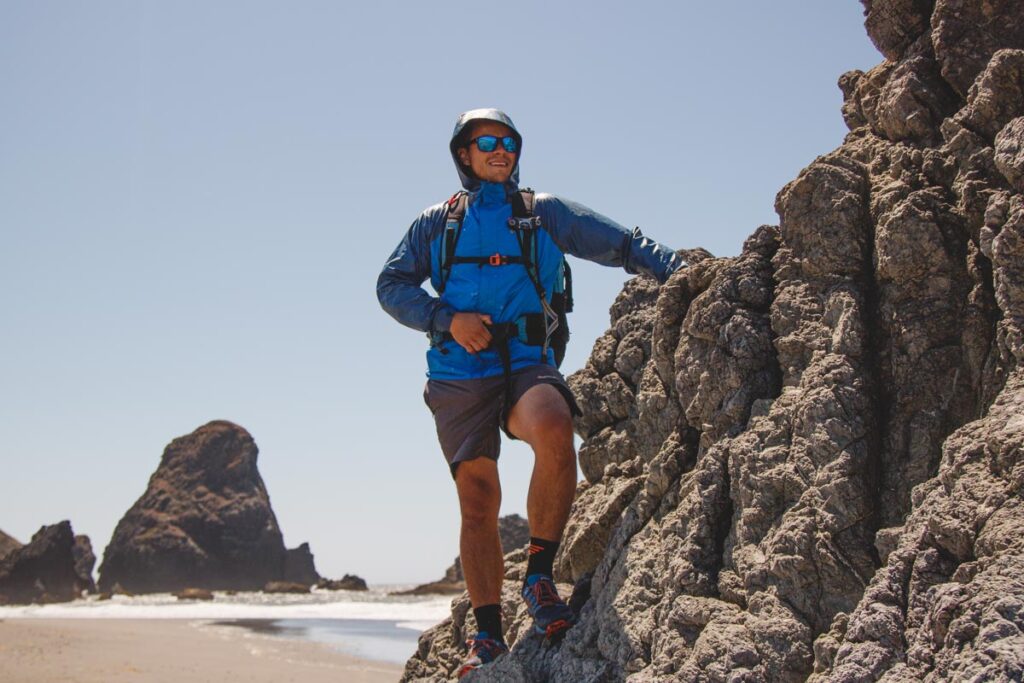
497,273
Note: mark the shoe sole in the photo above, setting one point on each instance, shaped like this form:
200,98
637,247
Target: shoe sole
466,668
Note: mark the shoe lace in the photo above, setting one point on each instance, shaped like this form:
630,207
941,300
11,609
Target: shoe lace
483,647
544,594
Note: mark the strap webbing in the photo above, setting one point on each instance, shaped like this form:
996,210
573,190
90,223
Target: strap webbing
494,260
452,231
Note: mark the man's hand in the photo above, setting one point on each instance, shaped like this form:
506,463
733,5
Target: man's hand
469,331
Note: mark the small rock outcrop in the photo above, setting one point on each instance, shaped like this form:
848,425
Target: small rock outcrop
349,582
194,594
299,566
285,587
43,570
205,521
806,462
514,532
85,560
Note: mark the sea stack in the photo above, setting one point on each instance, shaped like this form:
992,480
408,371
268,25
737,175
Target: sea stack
45,569
205,521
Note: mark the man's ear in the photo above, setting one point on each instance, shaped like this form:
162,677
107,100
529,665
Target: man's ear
463,155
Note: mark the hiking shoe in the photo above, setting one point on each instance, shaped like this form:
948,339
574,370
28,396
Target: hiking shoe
482,650
551,616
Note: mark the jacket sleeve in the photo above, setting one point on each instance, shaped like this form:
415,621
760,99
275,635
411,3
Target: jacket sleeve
399,287
584,233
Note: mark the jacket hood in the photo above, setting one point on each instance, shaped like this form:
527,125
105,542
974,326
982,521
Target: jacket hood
470,182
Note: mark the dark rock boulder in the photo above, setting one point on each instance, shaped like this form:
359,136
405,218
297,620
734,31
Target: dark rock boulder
205,521
42,570
85,560
349,582
805,462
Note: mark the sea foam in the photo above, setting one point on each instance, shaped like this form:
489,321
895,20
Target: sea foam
414,612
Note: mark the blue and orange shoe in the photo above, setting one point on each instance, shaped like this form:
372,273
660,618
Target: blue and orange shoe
551,616
482,650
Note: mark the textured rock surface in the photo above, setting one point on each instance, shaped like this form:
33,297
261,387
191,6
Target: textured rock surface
44,569
205,521
806,462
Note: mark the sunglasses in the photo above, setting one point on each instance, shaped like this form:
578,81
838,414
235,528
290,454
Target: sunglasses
489,143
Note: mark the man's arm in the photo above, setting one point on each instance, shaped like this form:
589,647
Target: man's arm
584,233
399,287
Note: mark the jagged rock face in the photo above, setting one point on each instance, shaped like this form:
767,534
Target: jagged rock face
205,521
7,544
43,570
806,462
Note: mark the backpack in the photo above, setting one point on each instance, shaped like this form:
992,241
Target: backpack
548,329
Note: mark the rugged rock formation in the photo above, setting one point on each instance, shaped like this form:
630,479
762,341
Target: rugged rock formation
806,462
7,544
44,570
514,532
204,522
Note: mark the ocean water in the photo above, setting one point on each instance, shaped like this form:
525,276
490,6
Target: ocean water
370,624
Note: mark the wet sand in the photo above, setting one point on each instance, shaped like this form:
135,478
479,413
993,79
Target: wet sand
169,650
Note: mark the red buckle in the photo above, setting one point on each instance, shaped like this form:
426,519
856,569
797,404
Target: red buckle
496,260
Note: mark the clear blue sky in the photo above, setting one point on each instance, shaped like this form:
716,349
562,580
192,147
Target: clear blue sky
196,199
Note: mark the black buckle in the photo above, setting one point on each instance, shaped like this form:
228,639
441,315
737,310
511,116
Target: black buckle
531,223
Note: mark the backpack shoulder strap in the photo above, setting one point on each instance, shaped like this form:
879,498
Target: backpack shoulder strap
522,203
456,212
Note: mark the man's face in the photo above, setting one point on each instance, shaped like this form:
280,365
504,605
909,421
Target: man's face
493,167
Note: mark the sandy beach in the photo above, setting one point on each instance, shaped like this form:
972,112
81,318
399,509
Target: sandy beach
171,650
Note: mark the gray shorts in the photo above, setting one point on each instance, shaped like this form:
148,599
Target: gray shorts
469,412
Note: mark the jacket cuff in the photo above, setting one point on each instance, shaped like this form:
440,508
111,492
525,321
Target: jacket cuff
442,320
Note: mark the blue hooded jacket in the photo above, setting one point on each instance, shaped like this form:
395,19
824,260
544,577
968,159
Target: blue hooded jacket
503,292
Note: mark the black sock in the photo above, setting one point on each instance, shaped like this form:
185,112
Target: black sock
488,618
542,556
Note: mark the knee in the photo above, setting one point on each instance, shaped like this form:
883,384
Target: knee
479,495
553,432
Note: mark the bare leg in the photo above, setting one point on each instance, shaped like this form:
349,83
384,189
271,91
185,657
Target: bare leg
479,544
542,419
